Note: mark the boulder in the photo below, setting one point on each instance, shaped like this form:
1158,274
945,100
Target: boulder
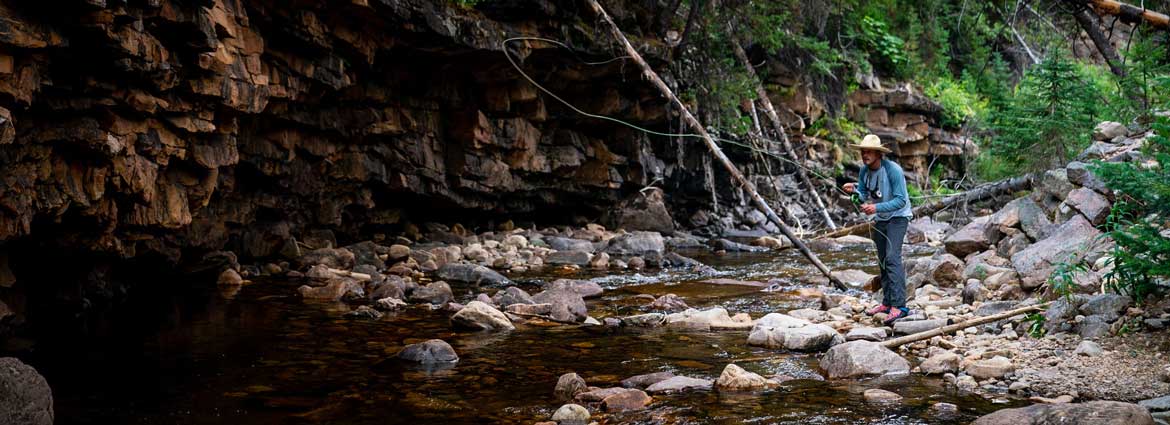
852,277
471,273
646,380
626,400
1080,175
732,246
643,244
338,258
398,252
677,384
512,295
1160,404
1055,183
941,363
1094,326
880,396
1089,348
643,210
926,229
735,378
1109,130
435,293
862,358
706,320
866,334
1089,203
668,302
568,244
584,288
1109,306
1067,244
976,236
995,307
480,316
1091,413
389,303
648,320
1034,220
430,351
25,396
571,414
811,315
567,305
995,367
780,331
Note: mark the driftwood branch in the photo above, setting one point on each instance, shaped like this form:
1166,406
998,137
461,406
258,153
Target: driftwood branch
897,342
697,127
770,112
1130,13
1014,184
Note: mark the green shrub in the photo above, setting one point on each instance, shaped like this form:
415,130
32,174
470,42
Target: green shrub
959,104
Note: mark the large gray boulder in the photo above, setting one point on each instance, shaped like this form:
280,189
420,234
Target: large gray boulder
1110,306
1091,413
1034,220
578,258
862,358
643,210
679,383
434,293
566,305
735,378
25,396
512,295
1067,244
1055,183
583,288
780,331
471,273
648,245
1109,130
568,244
706,320
1089,203
976,236
1079,174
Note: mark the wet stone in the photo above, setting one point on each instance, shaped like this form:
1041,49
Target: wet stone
907,327
880,396
480,316
643,381
866,334
628,399
735,378
430,351
679,383
571,414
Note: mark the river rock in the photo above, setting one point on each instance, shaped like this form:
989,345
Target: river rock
471,273
1160,404
1094,326
578,258
1055,182
995,307
338,258
597,394
398,252
643,244
626,400
511,295
735,378
679,383
720,244
365,312
567,305
480,316
866,334
646,380
567,244
1067,244
1109,306
438,292
334,290
880,396
1079,174
599,261
25,396
852,277
1093,412
780,331
976,236
1089,203
995,367
649,320
1089,348
706,320
1034,220
862,358
389,303
544,309
926,229
229,277
668,302
430,351
573,414
941,363
584,288
907,327
642,210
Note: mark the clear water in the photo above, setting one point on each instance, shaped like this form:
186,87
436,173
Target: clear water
261,355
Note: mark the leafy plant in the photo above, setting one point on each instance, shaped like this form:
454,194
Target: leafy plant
1063,277
887,48
1036,328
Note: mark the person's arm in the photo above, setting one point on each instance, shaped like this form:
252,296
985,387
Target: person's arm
897,188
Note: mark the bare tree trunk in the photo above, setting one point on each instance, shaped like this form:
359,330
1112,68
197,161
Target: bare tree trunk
692,17
779,128
1131,13
697,127
1089,23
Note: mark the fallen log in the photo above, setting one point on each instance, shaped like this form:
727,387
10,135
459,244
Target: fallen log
1014,184
897,342
770,111
697,127
346,273
1130,13
1088,22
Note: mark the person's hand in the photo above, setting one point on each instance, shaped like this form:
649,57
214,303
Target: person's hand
869,208
849,187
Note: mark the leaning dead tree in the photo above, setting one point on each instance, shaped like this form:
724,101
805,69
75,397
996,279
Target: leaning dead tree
1091,25
779,129
1014,184
1130,13
697,127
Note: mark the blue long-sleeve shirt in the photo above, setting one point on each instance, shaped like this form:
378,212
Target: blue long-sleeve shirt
891,198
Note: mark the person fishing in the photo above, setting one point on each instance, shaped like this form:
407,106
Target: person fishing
882,192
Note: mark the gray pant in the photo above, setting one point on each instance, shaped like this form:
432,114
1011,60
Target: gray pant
888,236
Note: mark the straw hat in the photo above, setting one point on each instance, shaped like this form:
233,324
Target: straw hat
871,142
